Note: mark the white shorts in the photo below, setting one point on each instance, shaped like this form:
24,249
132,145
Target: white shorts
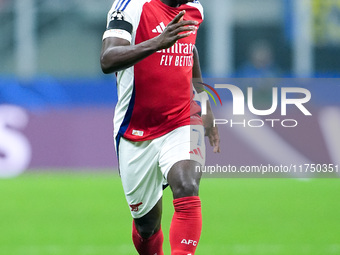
144,166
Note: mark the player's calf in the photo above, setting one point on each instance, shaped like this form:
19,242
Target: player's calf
186,225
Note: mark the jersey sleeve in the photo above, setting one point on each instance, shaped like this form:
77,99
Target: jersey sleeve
122,19
199,7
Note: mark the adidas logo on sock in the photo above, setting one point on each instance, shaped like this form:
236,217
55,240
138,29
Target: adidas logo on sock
159,29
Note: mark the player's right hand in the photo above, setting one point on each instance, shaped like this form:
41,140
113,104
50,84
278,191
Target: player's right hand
175,30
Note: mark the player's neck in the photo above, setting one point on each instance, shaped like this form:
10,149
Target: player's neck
171,3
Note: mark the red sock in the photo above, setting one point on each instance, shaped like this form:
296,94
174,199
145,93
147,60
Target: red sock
186,226
151,246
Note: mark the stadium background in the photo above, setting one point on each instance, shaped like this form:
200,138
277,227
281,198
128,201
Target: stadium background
59,188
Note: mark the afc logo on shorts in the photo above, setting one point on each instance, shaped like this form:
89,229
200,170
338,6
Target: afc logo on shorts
135,208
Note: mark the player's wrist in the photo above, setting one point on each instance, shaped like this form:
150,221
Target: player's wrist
157,43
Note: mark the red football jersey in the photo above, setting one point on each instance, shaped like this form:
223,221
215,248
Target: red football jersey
155,96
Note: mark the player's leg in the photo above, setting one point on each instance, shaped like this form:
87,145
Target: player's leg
181,156
142,183
150,223
186,225
147,234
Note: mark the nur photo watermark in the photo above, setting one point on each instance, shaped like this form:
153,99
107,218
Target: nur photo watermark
274,127
239,103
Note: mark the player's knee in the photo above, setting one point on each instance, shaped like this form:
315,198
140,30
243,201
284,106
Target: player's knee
146,231
146,227
185,189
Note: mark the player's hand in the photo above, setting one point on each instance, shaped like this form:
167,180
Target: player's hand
211,132
175,30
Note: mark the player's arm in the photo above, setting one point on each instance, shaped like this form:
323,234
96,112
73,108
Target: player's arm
118,54
208,119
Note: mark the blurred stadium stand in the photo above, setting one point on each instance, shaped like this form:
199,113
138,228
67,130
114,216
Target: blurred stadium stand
63,38
49,49
66,36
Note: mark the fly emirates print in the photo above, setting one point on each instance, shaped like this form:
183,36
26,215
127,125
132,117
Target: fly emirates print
180,54
274,127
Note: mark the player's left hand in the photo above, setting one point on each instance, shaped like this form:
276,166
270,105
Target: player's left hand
211,132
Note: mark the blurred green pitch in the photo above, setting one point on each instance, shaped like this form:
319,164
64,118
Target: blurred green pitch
86,214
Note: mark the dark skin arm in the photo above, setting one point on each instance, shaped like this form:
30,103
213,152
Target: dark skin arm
208,119
117,54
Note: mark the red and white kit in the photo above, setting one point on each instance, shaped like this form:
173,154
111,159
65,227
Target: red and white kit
155,108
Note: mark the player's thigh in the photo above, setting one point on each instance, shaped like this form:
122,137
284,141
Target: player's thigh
183,144
140,174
